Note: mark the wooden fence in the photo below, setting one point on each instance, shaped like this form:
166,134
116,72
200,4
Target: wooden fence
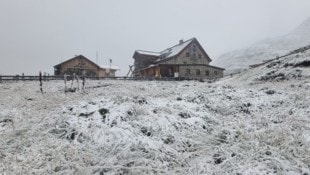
50,78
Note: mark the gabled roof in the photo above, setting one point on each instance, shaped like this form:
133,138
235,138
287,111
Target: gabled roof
171,51
77,57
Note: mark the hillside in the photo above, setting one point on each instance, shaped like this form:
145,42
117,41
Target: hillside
293,67
256,122
266,49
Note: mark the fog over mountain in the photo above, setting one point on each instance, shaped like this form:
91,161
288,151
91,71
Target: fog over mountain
267,49
37,35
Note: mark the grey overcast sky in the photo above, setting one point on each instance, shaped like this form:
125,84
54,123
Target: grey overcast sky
38,34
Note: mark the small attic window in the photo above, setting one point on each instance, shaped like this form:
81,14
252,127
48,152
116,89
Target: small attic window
194,48
199,56
187,54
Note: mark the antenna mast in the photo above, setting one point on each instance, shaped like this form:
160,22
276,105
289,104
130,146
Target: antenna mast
97,57
97,63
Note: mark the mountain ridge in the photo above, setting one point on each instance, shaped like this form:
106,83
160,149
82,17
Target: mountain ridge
239,60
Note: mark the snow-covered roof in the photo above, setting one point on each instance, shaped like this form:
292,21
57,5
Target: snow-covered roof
174,50
76,57
108,67
169,52
152,65
143,52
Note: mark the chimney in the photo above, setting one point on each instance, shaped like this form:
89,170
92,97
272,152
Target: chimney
181,41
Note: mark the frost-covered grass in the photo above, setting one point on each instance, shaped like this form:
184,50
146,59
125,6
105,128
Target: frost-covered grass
150,127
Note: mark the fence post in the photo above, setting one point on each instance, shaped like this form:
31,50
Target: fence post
77,81
40,79
65,80
83,83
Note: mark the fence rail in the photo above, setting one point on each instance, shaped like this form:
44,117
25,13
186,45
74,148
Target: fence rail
50,78
47,78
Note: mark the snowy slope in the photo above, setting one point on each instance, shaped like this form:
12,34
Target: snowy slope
292,68
266,49
256,122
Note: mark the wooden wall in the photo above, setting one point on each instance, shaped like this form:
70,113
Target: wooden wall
80,65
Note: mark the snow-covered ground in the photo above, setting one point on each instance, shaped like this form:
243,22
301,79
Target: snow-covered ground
244,124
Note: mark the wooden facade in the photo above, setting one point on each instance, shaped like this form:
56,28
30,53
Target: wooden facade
80,65
187,60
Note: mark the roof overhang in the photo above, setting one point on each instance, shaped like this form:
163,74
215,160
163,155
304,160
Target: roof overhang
150,54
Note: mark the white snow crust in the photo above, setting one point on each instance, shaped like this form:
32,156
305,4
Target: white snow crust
256,122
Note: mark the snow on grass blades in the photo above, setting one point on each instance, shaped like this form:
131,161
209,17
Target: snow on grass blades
235,126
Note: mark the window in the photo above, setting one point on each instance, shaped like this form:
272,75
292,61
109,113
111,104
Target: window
199,56
184,62
194,48
215,72
187,54
194,55
197,72
188,72
207,73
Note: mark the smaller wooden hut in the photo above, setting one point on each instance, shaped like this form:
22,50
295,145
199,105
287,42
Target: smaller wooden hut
80,65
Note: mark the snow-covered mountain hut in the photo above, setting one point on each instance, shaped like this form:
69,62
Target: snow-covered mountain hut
187,59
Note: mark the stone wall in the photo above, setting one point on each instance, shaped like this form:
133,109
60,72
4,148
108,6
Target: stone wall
200,71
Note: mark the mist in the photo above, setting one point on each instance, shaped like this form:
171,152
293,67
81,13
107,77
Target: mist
36,35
